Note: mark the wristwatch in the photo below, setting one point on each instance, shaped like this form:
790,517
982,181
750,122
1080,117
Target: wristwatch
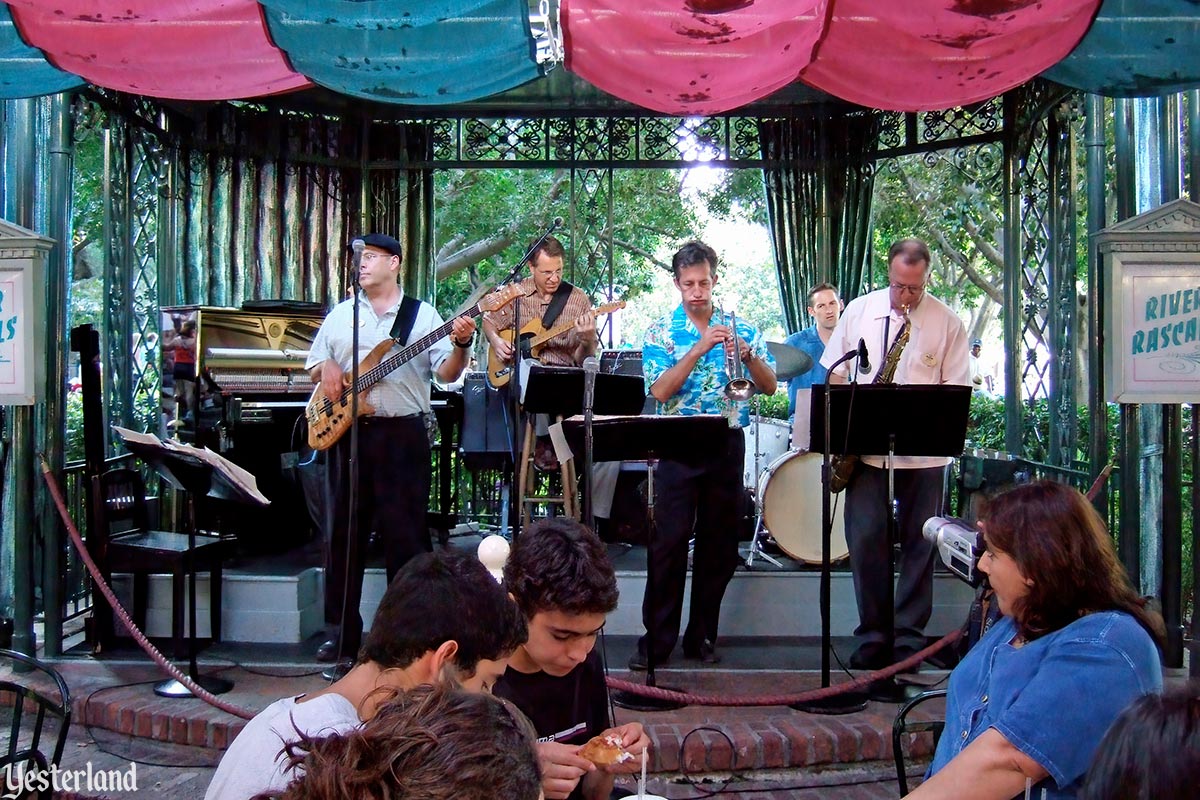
465,344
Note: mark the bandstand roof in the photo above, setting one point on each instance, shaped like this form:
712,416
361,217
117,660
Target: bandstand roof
673,56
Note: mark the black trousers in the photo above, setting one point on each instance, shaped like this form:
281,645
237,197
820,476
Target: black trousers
702,498
393,500
919,494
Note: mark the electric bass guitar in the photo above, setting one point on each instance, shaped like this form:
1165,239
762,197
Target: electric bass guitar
533,340
328,420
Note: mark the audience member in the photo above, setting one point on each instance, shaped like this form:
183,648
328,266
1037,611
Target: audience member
1029,703
419,629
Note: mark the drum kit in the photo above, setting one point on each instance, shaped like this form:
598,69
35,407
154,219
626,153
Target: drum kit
785,481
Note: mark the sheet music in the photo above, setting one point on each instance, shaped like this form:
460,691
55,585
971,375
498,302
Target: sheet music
236,475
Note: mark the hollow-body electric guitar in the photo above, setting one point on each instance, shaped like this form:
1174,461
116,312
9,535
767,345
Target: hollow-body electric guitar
328,420
533,340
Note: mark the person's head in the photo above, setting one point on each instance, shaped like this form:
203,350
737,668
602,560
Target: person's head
695,269
546,265
824,305
561,577
189,328
429,743
1050,560
976,346
1152,751
445,608
908,272
381,259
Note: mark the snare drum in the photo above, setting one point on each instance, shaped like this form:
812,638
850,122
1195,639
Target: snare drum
790,501
773,436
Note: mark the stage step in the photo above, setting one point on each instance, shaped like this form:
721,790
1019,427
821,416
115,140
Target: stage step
286,605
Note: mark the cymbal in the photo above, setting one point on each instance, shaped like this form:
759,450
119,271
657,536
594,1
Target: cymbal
789,361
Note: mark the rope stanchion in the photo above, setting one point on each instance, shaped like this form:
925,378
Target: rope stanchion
122,614
731,701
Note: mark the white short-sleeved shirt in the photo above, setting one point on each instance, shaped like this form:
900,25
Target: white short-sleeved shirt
403,392
936,352
254,762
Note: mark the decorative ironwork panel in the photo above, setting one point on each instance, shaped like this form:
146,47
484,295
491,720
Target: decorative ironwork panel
118,283
924,131
595,142
1041,340
592,225
1063,121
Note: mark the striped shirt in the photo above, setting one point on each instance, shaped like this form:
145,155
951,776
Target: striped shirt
559,351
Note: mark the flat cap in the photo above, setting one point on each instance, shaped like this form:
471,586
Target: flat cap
381,241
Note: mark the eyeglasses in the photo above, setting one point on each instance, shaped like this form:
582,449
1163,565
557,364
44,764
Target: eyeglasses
902,287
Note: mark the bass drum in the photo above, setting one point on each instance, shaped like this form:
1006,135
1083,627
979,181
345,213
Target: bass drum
791,508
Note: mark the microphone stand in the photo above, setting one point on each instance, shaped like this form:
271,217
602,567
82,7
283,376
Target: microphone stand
512,409
846,702
334,671
590,367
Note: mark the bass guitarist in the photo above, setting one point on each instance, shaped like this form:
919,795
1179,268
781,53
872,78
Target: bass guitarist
545,296
393,444
924,342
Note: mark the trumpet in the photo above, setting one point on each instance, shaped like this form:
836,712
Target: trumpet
739,388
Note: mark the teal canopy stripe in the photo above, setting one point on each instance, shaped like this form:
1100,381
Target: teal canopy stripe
24,70
1136,48
431,52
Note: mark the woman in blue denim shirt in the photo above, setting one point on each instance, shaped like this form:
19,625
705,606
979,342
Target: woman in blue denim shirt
1030,702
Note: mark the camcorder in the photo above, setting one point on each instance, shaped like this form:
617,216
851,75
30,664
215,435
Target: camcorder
957,542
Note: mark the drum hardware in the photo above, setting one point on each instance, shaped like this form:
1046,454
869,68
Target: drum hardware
756,548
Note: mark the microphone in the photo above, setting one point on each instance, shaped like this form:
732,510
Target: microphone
591,364
591,367
558,221
864,364
356,260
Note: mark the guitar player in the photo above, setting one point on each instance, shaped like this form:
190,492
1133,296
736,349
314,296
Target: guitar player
393,446
549,298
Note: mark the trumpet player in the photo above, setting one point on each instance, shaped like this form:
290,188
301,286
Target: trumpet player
697,360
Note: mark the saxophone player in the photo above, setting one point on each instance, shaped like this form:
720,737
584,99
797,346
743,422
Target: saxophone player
924,342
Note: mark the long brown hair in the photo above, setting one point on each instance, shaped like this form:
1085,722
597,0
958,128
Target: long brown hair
430,743
1061,544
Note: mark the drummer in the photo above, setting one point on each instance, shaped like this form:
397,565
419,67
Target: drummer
825,307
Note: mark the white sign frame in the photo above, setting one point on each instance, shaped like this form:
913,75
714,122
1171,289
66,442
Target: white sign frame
1152,315
23,256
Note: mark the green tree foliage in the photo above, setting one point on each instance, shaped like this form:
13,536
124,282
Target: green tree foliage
486,218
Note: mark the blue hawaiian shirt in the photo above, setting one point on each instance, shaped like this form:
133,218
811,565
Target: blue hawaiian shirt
668,339
1053,698
810,342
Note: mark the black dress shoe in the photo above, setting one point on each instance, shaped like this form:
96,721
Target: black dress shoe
327,653
869,656
705,653
638,662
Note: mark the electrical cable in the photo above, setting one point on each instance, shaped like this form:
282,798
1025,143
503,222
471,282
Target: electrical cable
89,729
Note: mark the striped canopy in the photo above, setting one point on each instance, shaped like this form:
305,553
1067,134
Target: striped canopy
672,56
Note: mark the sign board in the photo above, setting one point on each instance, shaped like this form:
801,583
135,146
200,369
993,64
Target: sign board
23,255
1152,318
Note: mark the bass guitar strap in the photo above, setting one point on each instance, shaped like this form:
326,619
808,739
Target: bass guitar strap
406,318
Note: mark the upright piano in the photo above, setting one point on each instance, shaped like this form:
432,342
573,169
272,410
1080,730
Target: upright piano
246,401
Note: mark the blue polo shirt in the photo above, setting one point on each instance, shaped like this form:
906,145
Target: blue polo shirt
1052,698
810,342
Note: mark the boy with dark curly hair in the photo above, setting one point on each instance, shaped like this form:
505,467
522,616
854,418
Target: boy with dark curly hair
562,579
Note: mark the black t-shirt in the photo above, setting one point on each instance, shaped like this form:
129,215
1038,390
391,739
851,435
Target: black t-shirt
568,710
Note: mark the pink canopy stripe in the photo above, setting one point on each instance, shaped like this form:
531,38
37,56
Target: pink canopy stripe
690,56
181,49
921,55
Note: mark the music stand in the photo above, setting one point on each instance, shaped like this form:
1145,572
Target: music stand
883,415
192,473
647,438
559,391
